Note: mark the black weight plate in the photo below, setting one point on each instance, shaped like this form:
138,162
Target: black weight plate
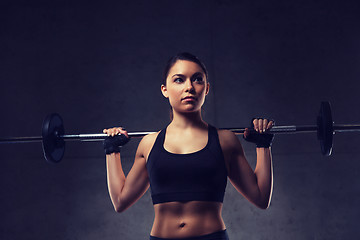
53,146
325,128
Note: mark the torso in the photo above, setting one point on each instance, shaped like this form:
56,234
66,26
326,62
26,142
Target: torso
192,218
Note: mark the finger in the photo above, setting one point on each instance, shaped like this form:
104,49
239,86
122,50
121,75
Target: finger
112,132
124,132
261,125
116,131
107,131
256,124
265,124
246,133
270,124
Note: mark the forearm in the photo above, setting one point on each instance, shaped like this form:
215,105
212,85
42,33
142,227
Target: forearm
115,178
264,175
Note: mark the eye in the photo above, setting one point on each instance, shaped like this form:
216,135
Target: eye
178,80
198,79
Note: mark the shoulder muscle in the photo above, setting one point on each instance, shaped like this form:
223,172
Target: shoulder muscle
146,144
228,140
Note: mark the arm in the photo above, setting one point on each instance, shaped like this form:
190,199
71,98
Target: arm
125,191
256,186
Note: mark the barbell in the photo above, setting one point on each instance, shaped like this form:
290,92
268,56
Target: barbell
53,135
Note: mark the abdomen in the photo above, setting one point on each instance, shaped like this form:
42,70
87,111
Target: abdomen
187,219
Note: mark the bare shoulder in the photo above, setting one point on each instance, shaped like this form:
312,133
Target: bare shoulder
149,139
231,147
227,139
146,144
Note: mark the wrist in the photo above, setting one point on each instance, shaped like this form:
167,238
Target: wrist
113,144
110,149
263,149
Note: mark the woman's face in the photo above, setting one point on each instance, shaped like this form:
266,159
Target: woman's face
186,86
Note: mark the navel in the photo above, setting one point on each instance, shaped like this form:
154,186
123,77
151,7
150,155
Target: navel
182,225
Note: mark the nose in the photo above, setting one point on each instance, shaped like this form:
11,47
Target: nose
189,87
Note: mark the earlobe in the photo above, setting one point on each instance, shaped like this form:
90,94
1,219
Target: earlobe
164,90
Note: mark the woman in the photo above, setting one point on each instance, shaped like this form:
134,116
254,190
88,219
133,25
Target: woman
187,163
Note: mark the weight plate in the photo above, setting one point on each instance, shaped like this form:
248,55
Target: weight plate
325,128
53,146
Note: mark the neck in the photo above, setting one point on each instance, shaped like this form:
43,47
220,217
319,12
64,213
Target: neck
185,120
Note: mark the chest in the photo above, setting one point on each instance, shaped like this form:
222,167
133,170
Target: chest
186,172
185,143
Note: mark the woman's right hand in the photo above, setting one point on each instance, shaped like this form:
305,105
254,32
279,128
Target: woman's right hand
115,131
111,143
261,137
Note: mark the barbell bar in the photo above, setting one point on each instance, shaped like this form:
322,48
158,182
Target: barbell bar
53,133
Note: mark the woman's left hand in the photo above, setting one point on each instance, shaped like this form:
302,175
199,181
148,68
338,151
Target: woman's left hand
262,139
262,124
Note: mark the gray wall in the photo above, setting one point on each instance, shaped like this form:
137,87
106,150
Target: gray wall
99,65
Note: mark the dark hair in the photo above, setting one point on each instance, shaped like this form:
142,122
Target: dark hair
182,56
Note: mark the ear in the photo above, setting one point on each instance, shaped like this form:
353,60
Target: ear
164,91
207,88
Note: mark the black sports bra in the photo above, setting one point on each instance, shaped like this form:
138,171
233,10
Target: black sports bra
198,176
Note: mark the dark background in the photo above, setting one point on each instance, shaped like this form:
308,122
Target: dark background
99,64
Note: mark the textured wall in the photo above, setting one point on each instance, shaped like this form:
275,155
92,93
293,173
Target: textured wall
99,65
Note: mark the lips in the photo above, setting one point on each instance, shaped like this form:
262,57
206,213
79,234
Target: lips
189,98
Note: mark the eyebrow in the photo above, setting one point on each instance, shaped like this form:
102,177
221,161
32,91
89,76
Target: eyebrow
181,75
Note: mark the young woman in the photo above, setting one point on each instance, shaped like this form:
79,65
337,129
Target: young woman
187,164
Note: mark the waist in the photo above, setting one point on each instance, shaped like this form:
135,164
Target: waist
187,219
220,235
